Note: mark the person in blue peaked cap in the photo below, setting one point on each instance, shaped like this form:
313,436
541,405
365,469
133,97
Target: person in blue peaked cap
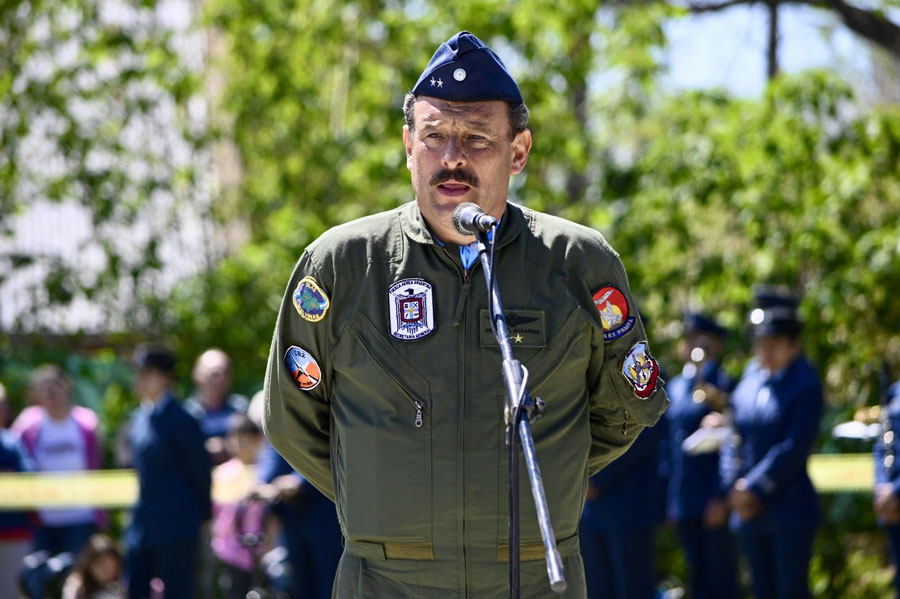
699,396
886,500
384,386
777,407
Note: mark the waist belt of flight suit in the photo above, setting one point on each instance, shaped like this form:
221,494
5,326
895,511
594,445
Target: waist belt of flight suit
528,552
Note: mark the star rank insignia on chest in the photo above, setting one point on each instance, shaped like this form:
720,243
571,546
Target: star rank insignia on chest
411,305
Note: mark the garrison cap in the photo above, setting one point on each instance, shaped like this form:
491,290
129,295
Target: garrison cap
464,69
154,356
774,314
695,322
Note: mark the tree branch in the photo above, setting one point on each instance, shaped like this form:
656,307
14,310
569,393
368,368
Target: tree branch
870,24
717,6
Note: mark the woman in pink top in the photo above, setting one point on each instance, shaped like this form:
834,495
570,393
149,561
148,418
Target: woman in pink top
60,437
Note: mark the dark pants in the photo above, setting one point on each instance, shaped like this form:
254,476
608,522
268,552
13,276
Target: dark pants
174,563
313,539
711,559
779,562
60,539
619,564
893,533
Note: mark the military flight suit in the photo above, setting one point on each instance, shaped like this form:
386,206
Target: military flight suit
398,415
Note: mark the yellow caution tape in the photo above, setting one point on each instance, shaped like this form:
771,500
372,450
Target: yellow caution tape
97,488
842,472
830,473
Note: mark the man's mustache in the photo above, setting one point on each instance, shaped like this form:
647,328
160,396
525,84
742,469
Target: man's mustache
460,175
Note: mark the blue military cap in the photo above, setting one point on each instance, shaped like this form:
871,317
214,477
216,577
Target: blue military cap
464,69
774,314
154,356
695,322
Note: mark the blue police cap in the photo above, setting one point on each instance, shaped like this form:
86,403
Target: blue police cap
695,322
464,69
774,314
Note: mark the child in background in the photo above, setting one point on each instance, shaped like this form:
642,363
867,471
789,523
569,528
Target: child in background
97,572
238,523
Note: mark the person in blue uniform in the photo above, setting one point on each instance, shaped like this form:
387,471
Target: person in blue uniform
173,470
625,506
777,408
312,534
887,477
695,503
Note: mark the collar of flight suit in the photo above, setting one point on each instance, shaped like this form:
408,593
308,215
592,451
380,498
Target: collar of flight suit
414,227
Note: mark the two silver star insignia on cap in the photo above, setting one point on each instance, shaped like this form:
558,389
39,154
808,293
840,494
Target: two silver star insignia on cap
439,83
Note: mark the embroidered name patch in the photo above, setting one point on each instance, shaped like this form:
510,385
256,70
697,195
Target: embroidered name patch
641,370
411,305
310,300
302,367
526,328
614,313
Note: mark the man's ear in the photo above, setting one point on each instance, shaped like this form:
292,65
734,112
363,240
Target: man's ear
521,146
407,143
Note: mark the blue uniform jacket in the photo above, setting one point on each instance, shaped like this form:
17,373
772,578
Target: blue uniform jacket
13,458
694,480
631,490
777,419
884,474
173,469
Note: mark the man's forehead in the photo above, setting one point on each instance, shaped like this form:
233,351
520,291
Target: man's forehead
430,109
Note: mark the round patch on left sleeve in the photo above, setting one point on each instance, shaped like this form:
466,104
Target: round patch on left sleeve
614,312
641,370
302,367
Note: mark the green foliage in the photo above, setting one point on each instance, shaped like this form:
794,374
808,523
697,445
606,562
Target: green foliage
94,110
796,189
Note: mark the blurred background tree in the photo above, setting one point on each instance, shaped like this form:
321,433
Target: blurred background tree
704,194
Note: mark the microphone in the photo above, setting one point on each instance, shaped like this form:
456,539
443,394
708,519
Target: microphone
469,219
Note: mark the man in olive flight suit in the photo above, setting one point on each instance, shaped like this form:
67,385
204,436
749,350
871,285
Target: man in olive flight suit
383,385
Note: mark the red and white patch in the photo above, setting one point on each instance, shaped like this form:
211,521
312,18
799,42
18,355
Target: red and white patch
641,370
614,312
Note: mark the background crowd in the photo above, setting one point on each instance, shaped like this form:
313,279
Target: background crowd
725,469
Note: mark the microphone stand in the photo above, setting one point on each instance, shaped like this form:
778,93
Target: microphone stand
521,410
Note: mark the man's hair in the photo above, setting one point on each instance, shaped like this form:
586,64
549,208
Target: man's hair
517,112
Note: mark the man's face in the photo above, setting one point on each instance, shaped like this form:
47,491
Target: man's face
462,152
774,353
149,383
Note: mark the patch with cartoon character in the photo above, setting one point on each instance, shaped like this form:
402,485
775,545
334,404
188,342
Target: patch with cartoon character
614,312
641,370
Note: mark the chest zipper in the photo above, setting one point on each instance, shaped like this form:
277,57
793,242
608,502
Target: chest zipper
420,408
625,424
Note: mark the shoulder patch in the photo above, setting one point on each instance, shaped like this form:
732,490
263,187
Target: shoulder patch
310,300
302,367
411,305
614,312
641,370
